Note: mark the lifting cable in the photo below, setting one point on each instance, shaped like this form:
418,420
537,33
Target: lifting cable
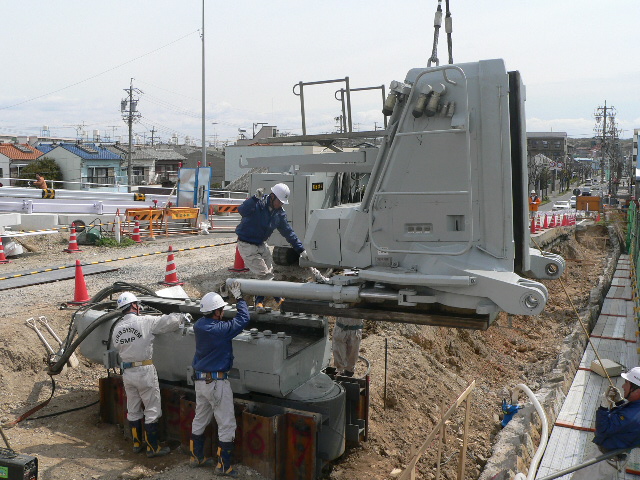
575,310
448,26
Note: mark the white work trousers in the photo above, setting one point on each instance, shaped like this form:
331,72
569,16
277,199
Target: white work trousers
346,344
215,399
143,393
605,470
258,259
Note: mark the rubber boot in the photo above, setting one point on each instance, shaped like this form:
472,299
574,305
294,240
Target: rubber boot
197,452
136,433
225,453
259,305
151,438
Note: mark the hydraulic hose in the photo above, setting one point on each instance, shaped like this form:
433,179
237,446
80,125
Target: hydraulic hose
544,435
56,368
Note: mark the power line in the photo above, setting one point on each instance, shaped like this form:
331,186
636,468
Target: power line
99,74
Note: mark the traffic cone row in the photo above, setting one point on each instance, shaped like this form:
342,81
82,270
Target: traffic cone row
3,259
171,275
73,241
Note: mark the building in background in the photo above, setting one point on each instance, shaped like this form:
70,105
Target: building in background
14,157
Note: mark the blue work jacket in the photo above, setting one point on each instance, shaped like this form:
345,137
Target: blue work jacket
214,352
618,427
259,221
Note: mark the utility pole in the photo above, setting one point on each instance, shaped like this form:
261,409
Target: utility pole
153,131
609,134
129,110
204,145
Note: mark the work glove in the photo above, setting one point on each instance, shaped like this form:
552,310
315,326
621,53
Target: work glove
304,255
235,289
614,394
610,397
187,318
259,192
318,276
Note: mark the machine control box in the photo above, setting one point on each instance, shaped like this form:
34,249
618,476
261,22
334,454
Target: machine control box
15,466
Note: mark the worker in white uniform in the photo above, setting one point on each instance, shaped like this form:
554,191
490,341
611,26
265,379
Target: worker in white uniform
347,335
211,364
133,339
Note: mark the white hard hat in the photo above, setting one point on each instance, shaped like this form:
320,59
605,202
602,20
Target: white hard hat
533,192
632,376
281,191
127,298
210,302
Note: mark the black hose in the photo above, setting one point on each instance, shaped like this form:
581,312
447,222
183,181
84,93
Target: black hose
56,368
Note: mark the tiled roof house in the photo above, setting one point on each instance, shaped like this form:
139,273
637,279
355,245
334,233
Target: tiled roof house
14,157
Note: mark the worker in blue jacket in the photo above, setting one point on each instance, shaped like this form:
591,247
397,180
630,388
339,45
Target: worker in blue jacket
261,215
617,426
211,364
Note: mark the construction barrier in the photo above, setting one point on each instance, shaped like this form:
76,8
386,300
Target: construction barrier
213,209
150,216
48,193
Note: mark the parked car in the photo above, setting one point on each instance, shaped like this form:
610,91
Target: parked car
561,205
572,201
586,192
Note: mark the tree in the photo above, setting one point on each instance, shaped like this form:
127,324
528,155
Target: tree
48,167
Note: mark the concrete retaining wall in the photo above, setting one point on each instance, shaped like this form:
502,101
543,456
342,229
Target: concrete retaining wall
517,444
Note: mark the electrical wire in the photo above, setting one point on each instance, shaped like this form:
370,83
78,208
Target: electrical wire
98,74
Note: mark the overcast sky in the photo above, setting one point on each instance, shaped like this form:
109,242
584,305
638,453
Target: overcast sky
67,63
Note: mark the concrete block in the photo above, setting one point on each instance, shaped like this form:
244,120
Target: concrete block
38,221
9,220
68,218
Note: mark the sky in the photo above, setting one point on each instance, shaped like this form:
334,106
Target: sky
67,63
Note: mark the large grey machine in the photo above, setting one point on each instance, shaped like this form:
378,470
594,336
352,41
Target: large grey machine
441,235
279,360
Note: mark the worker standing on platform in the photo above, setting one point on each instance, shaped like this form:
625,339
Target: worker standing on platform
261,215
617,426
133,339
534,202
211,364
347,335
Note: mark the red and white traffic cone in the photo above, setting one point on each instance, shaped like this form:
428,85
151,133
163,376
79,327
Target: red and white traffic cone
136,233
81,295
171,275
238,263
3,259
546,222
533,226
73,241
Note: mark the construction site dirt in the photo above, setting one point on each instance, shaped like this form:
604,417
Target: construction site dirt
427,367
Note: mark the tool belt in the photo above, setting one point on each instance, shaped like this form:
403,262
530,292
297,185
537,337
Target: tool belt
209,377
349,327
126,365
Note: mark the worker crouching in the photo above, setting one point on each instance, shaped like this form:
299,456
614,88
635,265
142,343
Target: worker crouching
133,339
211,363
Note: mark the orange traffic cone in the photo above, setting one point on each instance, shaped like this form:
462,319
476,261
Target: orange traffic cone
136,233
171,275
73,241
546,222
598,217
238,263
3,259
81,295
532,230
565,221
